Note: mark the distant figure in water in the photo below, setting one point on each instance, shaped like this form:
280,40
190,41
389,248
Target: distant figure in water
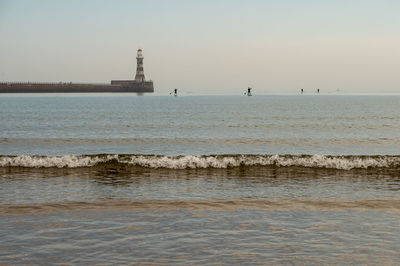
175,92
248,93
302,91
317,90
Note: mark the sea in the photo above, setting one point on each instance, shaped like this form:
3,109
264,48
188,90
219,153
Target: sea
212,180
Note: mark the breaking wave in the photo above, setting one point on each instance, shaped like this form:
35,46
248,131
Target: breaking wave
203,161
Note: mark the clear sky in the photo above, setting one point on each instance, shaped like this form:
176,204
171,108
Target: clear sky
206,46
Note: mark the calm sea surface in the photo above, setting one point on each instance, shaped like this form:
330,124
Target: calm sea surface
268,179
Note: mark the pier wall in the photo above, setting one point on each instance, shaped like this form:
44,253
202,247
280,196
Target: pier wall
73,88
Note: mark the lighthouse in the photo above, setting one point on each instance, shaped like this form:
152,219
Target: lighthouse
139,68
139,84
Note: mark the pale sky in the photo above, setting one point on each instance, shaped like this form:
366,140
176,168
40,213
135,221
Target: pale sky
216,46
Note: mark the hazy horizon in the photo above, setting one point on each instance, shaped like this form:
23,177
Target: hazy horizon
206,47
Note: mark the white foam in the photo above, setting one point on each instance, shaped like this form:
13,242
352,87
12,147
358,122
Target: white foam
192,161
315,161
66,161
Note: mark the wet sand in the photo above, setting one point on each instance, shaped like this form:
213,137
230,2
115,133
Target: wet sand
244,215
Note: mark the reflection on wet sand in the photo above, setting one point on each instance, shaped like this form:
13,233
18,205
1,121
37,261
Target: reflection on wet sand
189,232
244,215
54,185
392,205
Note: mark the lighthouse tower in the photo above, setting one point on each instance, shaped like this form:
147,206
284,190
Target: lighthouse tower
139,84
139,69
